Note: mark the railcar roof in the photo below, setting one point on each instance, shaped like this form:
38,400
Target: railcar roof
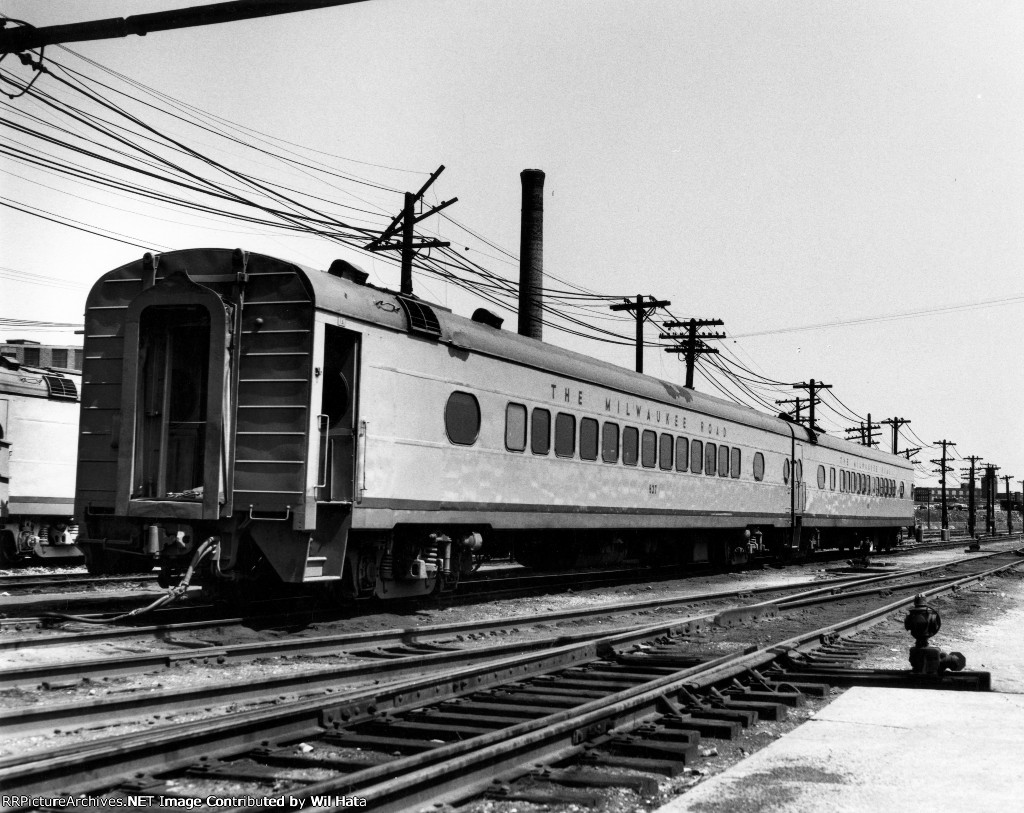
31,381
380,306
363,302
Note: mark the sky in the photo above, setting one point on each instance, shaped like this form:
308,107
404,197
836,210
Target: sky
841,184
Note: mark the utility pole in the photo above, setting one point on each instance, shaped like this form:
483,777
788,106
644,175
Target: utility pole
812,388
943,468
641,309
867,432
693,343
971,509
405,221
28,37
910,452
896,423
990,487
796,412
1009,505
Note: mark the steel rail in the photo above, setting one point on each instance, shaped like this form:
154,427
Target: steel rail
75,768
43,717
453,771
161,629
68,580
151,662
340,641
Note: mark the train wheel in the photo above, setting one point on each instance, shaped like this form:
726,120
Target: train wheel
739,556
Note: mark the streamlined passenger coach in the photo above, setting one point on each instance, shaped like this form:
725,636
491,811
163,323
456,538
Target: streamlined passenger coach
38,427
262,420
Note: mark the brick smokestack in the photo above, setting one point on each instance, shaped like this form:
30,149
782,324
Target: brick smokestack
531,255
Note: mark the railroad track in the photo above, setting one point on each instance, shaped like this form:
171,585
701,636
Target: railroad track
502,582
599,706
419,649
57,581
59,675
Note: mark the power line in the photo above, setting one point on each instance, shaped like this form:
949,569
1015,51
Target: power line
984,303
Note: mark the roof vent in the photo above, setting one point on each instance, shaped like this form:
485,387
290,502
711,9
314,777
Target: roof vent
346,270
485,317
61,387
421,318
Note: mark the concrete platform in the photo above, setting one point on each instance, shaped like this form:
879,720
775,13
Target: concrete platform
886,750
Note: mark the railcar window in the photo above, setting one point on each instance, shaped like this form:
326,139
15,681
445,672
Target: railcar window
821,476
785,470
842,480
648,449
710,458
630,445
831,478
798,471
540,431
610,442
462,418
565,434
515,427
665,453
696,456
682,454
901,489
588,439
758,466
723,461
737,463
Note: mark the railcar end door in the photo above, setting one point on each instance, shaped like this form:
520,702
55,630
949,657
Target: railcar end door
339,415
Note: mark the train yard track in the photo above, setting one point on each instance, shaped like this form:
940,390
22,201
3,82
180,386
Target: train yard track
503,582
57,581
585,706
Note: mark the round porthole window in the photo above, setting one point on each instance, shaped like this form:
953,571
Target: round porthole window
462,418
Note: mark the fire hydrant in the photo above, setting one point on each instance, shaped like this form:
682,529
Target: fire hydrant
923,622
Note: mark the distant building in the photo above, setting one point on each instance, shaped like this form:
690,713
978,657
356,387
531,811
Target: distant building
34,354
960,496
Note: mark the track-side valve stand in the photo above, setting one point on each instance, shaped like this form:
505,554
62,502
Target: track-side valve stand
923,622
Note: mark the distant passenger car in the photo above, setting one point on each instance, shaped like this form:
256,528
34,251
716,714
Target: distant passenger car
38,437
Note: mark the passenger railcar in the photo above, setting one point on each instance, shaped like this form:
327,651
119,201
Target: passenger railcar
307,427
38,433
